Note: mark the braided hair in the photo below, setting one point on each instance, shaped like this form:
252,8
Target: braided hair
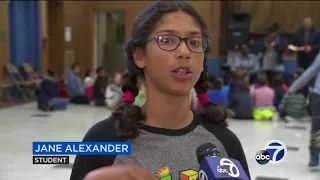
129,117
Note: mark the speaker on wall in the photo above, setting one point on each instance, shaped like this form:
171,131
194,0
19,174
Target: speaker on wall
238,29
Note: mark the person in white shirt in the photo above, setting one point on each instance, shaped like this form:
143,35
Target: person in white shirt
88,83
89,79
114,93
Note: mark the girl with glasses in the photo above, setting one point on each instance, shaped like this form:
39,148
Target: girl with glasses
168,49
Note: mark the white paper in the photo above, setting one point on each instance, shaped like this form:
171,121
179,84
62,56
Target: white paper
67,34
293,48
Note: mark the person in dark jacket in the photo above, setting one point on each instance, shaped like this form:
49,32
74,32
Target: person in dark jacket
277,85
237,76
99,87
48,94
241,102
307,39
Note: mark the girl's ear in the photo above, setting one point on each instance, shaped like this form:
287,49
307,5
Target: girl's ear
138,57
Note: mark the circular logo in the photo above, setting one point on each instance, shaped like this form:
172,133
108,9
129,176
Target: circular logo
233,170
262,157
221,170
203,175
277,151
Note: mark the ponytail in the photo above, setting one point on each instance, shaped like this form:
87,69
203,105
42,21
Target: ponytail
210,111
128,116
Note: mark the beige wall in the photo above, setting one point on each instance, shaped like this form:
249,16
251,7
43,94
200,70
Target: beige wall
4,43
288,14
81,18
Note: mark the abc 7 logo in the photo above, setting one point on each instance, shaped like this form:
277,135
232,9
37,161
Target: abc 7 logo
275,152
233,170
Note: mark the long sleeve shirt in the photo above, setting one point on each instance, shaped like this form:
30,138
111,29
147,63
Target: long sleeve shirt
307,76
74,86
249,64
294,106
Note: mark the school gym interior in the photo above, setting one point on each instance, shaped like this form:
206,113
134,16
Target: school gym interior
55,34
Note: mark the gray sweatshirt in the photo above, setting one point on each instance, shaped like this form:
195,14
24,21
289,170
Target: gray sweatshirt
307,76
113,96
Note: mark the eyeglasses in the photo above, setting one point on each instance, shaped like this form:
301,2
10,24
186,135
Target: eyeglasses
170,42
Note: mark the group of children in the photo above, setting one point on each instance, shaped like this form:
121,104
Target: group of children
54,92
97,88
261,100
101,89
105,90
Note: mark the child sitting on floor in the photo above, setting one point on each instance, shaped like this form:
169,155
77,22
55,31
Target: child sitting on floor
114,92
88,83
263,99
241,102
225,88
293,107
48,94
237,76
99,87
215,95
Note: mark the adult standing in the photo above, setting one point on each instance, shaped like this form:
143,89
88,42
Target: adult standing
274,46
312,72
307,41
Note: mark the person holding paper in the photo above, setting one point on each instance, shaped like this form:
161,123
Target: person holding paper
306,42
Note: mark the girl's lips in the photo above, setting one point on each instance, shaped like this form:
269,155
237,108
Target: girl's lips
183,69
179,75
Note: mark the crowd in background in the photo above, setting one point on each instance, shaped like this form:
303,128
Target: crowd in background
97,88
259,100
256,87
269,58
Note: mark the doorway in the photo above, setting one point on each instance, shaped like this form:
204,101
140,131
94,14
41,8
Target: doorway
109,39
56,35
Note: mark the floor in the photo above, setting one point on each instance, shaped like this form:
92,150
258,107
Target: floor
21,125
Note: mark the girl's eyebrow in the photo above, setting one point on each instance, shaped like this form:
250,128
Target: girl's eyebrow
170,31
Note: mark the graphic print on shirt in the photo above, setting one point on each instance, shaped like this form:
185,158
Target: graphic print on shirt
164,174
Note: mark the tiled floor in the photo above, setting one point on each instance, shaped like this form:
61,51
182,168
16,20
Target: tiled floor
21,125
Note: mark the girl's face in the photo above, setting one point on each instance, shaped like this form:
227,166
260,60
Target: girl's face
117,79
92,74
176,71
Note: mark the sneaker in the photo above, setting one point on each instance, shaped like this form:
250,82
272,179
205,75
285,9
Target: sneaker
313,164
314,156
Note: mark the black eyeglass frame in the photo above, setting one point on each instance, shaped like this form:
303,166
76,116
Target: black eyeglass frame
180,40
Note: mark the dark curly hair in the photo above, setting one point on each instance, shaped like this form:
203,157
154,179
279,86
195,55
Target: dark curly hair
129,117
